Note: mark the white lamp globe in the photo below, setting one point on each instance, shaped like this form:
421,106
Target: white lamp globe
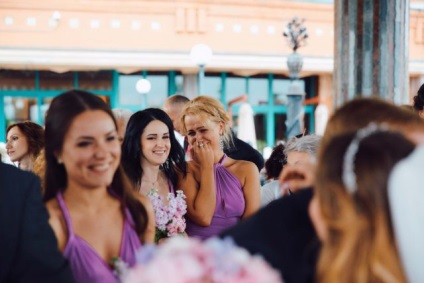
143,86
201,54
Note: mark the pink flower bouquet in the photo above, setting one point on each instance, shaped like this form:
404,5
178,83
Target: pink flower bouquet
169,218
188,260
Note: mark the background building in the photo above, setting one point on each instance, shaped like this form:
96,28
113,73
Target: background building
106,46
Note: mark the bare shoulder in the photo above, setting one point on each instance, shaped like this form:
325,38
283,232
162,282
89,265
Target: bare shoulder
57,222
145,201
242,169
193,169
242,165
54,210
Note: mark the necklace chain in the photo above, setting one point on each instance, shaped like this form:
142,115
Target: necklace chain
152,182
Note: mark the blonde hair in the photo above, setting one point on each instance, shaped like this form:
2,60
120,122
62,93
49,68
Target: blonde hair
350,254
360,244
212,109
359,112
39,168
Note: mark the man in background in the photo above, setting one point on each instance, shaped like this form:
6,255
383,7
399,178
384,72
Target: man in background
173,106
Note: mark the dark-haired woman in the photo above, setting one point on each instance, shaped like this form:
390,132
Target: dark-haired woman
151,155
273,166
419,101
94,212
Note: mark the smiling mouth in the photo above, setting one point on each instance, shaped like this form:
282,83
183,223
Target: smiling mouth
100,168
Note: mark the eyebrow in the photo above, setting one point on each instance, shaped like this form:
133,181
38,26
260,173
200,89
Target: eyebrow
167,133
90,137
12,136
198,128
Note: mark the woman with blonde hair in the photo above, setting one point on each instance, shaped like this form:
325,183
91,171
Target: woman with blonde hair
350,208
289,244
220,190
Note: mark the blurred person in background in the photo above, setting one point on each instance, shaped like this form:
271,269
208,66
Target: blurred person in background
300,151
282,232
350,209
28,246
173,106
3,153
273,166
406,196
419,101
122,116
24,141
39,167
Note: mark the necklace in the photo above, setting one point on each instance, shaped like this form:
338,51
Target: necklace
152,183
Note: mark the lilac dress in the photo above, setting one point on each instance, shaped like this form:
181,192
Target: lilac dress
86,264
230,204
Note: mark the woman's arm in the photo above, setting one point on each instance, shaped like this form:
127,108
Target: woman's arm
251,188
149,234
200,195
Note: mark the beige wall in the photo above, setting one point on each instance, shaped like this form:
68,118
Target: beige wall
163,26
182,24
245,36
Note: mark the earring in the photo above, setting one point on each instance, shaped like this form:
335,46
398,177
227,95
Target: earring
221,142
59,160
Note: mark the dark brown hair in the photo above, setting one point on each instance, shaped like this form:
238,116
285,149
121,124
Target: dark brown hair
275,162
34,134
419,99
63,110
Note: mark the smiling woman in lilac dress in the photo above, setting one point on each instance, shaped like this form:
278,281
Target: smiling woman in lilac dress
94,212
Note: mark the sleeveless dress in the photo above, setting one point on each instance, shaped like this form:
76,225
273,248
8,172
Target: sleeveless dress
86,264
230,204
171,187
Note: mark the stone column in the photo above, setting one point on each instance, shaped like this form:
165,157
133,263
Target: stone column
371,49
190,88
295,110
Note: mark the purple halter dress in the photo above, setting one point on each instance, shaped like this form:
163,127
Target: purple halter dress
86,264
230,204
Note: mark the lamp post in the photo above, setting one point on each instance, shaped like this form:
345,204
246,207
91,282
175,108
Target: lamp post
143,87
200,55
296,34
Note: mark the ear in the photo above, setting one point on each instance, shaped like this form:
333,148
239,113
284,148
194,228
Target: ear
421,113
221,128
58,158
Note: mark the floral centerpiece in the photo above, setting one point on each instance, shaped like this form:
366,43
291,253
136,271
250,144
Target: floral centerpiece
169,218
188,260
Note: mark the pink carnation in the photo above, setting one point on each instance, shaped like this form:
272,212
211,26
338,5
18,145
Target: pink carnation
188,260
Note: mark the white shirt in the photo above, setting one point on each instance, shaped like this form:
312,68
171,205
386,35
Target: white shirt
180,138
269,192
